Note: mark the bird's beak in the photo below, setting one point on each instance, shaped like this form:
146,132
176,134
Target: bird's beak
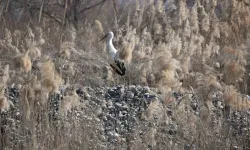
103,37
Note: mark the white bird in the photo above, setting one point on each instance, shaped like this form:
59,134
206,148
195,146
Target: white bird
113,56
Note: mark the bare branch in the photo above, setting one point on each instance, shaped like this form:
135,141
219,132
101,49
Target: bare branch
32,6
1,12
7,6
45,4
99,9
89,7
41,11
65,11
244,2
115,7
49,15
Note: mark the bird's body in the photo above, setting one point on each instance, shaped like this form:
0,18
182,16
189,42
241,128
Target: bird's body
113,59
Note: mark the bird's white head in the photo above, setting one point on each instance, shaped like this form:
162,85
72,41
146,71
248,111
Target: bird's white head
109,36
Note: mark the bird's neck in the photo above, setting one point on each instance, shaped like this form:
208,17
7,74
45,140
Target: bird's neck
110,47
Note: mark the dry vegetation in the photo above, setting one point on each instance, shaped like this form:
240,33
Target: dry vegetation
196,47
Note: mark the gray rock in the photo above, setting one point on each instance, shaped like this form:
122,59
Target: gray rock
146,89
220,105
103,104
132,88
97,119
130,94
109,103
121,91
87,96
118,104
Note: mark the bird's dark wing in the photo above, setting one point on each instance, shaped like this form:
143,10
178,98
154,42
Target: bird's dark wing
119,67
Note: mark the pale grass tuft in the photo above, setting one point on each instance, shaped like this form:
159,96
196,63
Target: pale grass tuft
155,109
205,113
234,99
65,54
233,64
33,88
4,75
216,29
166,69
187,29
45,58
5,103
30,34
128,45
26,92
39,38
70,34
168,98
18,86
17,34
205,23
143,77
47,69
230,53
176,46
149,137
7,48
51,84
20,80
22,62
151,79
233,71
207,52
26,62
166,74
41,41
70,71
44,95
39,31
69,101
185,64
182,12
32,95
98,27
185,119
163,52
126,52
36,94
225,30
34,53
207,87
213,83
159,7
146,38
148,50
35,85
66,49
7,36
139,55
50,79
157,28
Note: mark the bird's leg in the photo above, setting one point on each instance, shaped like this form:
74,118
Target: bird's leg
114,75
112,70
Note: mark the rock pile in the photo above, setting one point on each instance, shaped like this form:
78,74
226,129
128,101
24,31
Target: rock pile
134,114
